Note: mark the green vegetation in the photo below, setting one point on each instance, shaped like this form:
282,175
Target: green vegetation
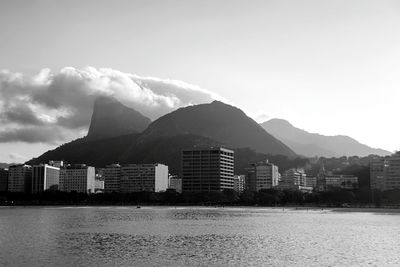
269,197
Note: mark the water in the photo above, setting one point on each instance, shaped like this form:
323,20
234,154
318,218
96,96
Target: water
160,236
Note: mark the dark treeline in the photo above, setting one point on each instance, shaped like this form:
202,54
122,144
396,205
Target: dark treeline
268,197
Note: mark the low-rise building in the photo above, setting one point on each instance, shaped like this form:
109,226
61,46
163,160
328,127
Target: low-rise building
311,181
327,181
341,181
175,183
20,178
135,178
295,179
79,178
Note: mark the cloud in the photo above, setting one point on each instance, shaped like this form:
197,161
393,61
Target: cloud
54,106
50,135
16,157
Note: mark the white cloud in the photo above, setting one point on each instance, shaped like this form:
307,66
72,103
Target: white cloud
50,106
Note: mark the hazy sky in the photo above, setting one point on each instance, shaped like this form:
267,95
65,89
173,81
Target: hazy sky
330,67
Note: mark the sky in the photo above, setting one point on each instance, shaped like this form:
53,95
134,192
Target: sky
330,67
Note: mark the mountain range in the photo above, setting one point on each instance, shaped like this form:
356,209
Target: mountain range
121,134
313,144
205,125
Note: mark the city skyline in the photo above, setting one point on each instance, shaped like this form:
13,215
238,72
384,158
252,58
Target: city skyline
329,67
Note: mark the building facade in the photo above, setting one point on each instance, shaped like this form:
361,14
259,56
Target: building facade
239,183
207,169
262,175
135,178
175,183
293,179
327,181
385,172
341,181
112,178
3,180
45,177
78,178
20,178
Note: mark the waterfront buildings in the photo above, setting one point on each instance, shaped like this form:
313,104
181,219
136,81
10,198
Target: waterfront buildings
239,183
20,178
311,181
79,178
112,178
262,175
135,178
341,181
385,172
3,180
327,181
45,177
295,179
175,183
207,169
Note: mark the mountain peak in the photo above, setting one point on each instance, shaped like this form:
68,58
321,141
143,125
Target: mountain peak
111,118
277,121
219,121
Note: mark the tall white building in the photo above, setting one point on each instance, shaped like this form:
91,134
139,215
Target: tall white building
136,178
20,178
79,178
262,175
45,177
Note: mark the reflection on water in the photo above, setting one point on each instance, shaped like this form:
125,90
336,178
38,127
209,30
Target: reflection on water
155,236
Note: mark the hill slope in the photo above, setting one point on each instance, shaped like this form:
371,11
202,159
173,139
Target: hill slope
220,122
312,144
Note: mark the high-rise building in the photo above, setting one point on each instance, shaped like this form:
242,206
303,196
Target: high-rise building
79,178
3,180
175,183
207,169
20,178
385,172
45,177
262,175
135,178
239,183
112,178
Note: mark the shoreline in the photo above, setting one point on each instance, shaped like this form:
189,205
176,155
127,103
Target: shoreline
289,208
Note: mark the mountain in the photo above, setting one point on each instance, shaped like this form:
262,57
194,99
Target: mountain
166,150
220,122
313,144
215,124
110,118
